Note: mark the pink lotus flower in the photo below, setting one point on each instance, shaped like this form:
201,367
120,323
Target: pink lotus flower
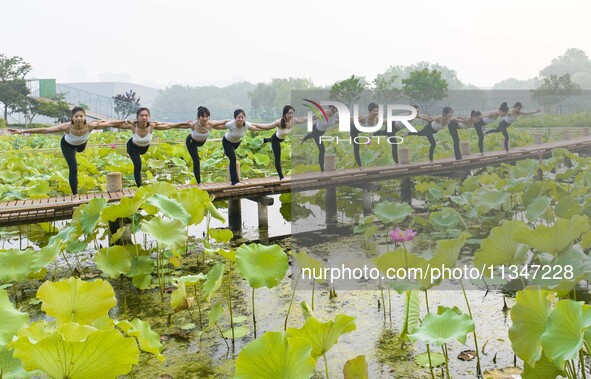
400,235
113,146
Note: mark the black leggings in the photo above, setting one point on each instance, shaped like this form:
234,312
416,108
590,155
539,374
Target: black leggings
276,145
69,152
354,135
230,151
135,153
316,134
393,145
502,128
192,146
478,126
428,132
453,131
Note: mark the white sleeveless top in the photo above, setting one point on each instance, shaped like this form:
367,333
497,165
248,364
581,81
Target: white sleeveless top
437,126
322,125
235,134
509,119
282,132
141,141
198,136
488,120
76,140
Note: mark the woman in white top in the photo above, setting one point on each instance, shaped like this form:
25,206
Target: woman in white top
138,144
284,126
320,127
435,124
77,133
236,130
488,118
199,132
508,120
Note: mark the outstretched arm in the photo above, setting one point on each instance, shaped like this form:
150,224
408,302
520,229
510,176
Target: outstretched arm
529,113
272,125
217,124
170,125
300,120
101,124
425,117
53,129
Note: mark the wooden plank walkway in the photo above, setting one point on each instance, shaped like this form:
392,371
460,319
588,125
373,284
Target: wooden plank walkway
58,208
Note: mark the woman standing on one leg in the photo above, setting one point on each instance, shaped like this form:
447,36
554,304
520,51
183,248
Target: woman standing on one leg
434,125
488,118
396,127
368,120
284,126
199,132
74,141
319,128
236,130
138,144
508,120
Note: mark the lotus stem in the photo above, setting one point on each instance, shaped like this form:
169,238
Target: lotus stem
389,303
221,333
325,365
291,301
478,367
382,293
198,307
444,349
582,360
428,348
230,309
313,288
254,319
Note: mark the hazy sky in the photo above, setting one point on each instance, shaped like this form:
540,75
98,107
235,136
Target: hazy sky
165,42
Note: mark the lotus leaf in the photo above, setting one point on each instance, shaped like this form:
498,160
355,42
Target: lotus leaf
323,335
356,368
113,261
12,320
148,339
262,266
443,328
529,315
170,208
73,300
555,238
499,248
391,212
168,233
564,333
16,264
77,352
213,281
275,356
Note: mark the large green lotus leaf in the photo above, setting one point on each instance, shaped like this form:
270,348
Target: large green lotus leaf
323,335
193,200
221,235
12,320
403,259
213,281
113,261
127,207
90,214
306,261
262,266
275,356
163,188
565,271
537,208
228,254
141,271
168,233
44,256
412,313
39,190
567,207
447,251
73,300
391,212
170,208
555,238
499,248
484,200
12,368
445,219
100,354
529,316
148,339
443,328
564,333
356,368
544,369
16,264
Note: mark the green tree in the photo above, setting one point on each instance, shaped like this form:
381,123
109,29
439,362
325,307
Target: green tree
425,87
384,89
403,72
349,90
125,104
552,93
268,99
13,87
